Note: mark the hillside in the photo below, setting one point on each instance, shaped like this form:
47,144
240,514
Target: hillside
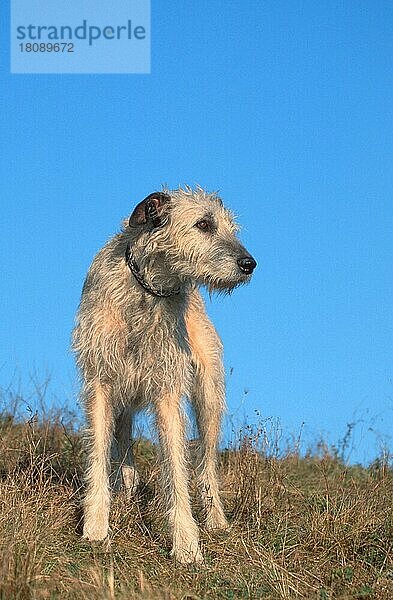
301,527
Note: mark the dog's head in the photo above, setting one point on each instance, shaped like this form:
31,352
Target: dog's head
196,236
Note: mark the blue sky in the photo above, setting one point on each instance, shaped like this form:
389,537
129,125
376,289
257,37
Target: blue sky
287,109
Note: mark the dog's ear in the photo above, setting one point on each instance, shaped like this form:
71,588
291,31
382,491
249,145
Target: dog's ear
150,210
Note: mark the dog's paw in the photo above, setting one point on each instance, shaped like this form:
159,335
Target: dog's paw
215,520
95,531
187,554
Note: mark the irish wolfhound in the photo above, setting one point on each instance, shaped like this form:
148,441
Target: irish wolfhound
143,339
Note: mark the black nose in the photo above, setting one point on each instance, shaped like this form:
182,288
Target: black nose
247,264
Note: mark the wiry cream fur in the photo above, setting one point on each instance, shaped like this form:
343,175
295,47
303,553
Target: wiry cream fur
135,350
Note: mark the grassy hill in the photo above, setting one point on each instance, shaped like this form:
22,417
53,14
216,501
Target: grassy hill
301,527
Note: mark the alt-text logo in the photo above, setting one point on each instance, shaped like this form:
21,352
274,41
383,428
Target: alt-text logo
74,37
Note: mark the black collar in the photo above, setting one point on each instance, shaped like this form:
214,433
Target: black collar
135,270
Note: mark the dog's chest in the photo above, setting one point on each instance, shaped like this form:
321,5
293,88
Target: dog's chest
158,353
157,336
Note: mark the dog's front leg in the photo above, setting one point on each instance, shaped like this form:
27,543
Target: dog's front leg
171,432
100,424
208,399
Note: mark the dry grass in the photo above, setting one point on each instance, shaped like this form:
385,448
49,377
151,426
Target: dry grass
300,527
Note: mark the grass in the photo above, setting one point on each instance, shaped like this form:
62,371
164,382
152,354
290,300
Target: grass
301,527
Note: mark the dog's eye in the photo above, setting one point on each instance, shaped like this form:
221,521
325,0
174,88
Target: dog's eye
204,225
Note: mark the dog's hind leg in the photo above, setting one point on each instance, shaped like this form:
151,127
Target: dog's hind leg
122,453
